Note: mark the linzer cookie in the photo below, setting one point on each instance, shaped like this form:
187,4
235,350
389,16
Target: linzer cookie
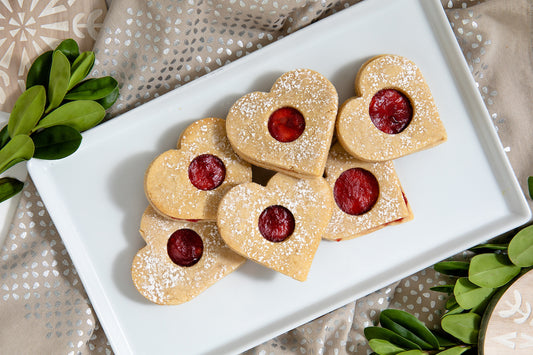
368,196
279,226
288,129
181,259
394,113
188,182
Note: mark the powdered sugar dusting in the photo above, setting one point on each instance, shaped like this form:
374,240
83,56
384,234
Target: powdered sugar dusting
358,134
310,202
160,280
167,183
389,207
308,92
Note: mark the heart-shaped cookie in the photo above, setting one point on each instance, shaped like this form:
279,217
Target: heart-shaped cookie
394,113
181,259
279,226
188,182
368,196
288,129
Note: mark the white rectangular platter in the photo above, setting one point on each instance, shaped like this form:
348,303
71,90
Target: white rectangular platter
462,192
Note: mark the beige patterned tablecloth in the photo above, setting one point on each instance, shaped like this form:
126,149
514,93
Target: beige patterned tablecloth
152,47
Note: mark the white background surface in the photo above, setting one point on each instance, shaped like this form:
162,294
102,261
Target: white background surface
462,192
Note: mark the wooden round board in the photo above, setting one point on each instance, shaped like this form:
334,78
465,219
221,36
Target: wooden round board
509,328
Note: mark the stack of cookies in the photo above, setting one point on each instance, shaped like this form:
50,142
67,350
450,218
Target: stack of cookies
185,253
333,179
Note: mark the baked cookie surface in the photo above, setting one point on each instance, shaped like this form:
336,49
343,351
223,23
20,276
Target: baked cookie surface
160,279
293,212
372,201
288,129
389,77
188,182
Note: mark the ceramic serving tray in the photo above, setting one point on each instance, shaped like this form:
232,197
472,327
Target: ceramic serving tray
462,192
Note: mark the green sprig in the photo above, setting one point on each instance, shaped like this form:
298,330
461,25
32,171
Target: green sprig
476,284
58,104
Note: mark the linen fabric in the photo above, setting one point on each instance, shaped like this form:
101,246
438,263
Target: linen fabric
152,47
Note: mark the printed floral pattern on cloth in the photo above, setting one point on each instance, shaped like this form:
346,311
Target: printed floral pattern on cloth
29,28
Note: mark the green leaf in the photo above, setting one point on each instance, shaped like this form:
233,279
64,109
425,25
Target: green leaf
39,72
443,288
110,99
464,326
413,352
4,136
386,334
521,248
453,307
452,268
445,340
59,78
27,111
70,49
454,310
93,89
81,115
81,68
409,327
56,142
456,350
491,270
490,246
451,302
469,295
18,149
530,186
383,347
481,308
9,187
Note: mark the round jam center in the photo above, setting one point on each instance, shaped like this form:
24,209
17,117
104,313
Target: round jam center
286,124
276,223
356,191
390,111
207,172
185,247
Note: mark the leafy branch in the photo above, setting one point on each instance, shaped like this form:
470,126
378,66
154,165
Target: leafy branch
58,104
475,284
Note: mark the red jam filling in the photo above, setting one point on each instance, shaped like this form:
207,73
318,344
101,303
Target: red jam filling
286,124
356,191
395,221
182,219
276,223
185,247
390,111
207,172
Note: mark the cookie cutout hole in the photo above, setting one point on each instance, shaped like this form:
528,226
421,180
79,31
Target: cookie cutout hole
286,124
207,172
261,176
276,223
390,111
356,191
185,247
